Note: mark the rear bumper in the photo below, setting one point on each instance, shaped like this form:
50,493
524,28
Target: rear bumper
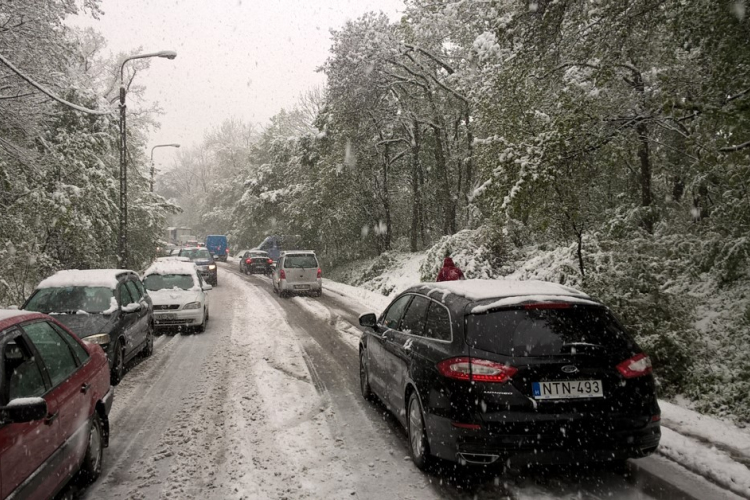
577,440
301,287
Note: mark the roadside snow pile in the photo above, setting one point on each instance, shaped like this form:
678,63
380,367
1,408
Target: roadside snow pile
365,299
388,274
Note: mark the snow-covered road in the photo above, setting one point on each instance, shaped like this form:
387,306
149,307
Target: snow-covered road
265,404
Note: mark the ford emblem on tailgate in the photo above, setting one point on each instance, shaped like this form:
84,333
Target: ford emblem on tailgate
569,369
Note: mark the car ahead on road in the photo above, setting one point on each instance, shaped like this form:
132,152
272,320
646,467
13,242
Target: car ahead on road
484,370
55,399
256,261
205,263
217,245
109,307
297,272
179,295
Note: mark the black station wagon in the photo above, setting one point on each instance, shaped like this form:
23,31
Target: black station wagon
484,370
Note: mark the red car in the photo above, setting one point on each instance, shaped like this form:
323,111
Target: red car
55,398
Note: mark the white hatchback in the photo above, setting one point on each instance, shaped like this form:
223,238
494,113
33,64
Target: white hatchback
298,272
179,295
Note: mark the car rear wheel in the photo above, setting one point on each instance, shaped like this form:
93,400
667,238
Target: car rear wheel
118,365
92,461
418,446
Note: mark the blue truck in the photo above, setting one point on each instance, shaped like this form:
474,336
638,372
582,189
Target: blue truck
217,245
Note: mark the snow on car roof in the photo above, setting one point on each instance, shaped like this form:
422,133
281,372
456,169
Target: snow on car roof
11,313
477,289
171,267
84,277
525,299
288,252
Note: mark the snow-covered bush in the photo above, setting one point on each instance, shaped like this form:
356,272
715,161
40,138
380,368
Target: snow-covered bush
479,253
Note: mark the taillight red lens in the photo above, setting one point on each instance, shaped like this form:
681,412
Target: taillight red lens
320,273
270,261
248,261
282,275
637,366
227,250
547,305
478,370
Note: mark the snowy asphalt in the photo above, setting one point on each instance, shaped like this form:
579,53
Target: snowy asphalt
266,404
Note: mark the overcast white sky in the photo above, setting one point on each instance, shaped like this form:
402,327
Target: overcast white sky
235,58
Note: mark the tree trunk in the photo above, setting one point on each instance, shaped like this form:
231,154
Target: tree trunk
449,216
416,191
645,161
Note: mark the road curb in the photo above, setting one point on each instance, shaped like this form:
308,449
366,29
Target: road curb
662,478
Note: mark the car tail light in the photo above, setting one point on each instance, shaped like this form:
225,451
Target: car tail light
637,366
282,275
548,305
320,273
270,261
248,261
227,251
461,425
656,418
474,369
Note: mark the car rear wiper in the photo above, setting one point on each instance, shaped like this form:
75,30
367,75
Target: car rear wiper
573,347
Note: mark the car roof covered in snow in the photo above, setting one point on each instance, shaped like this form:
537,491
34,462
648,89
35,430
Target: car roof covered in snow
173,266
485,295
296,252
10,317
85,277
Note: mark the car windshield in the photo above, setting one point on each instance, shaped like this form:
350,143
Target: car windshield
196,253
71,300
156,282
300,261
547,331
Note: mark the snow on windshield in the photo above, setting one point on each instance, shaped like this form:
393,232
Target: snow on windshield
71,300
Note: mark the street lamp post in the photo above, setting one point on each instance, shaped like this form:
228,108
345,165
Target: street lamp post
122,250
153,170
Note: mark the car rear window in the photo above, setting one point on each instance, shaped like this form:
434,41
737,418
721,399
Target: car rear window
300,261
534,332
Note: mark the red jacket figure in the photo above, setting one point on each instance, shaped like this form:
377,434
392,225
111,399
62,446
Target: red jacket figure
449,271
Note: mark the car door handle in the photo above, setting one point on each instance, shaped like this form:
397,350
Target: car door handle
85,388
51,418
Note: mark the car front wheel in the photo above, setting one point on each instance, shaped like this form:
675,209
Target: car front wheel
92,461
118,365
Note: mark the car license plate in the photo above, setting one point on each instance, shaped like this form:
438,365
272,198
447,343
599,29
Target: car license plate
165,316
301,287
571,389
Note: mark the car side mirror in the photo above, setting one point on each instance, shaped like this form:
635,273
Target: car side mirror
368,320
207,287
22,410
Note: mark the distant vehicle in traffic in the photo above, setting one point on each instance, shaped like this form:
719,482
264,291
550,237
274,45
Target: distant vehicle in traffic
217,245
54,406
298,272
274,245
179,295
203,259
109,307
481,371
256,261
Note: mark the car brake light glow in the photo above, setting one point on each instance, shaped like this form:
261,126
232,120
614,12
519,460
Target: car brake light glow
474,369
282,275
320,273
656,418
248,261
270,261
548,305
459,425
637,366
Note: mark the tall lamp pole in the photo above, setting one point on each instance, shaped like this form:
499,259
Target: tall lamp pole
123,236
153,170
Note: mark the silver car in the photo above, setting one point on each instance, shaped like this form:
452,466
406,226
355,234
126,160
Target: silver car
298,272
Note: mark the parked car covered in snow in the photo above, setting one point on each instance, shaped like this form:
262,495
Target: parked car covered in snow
204,261
109,307
179,294
298,271
55,398
480,371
